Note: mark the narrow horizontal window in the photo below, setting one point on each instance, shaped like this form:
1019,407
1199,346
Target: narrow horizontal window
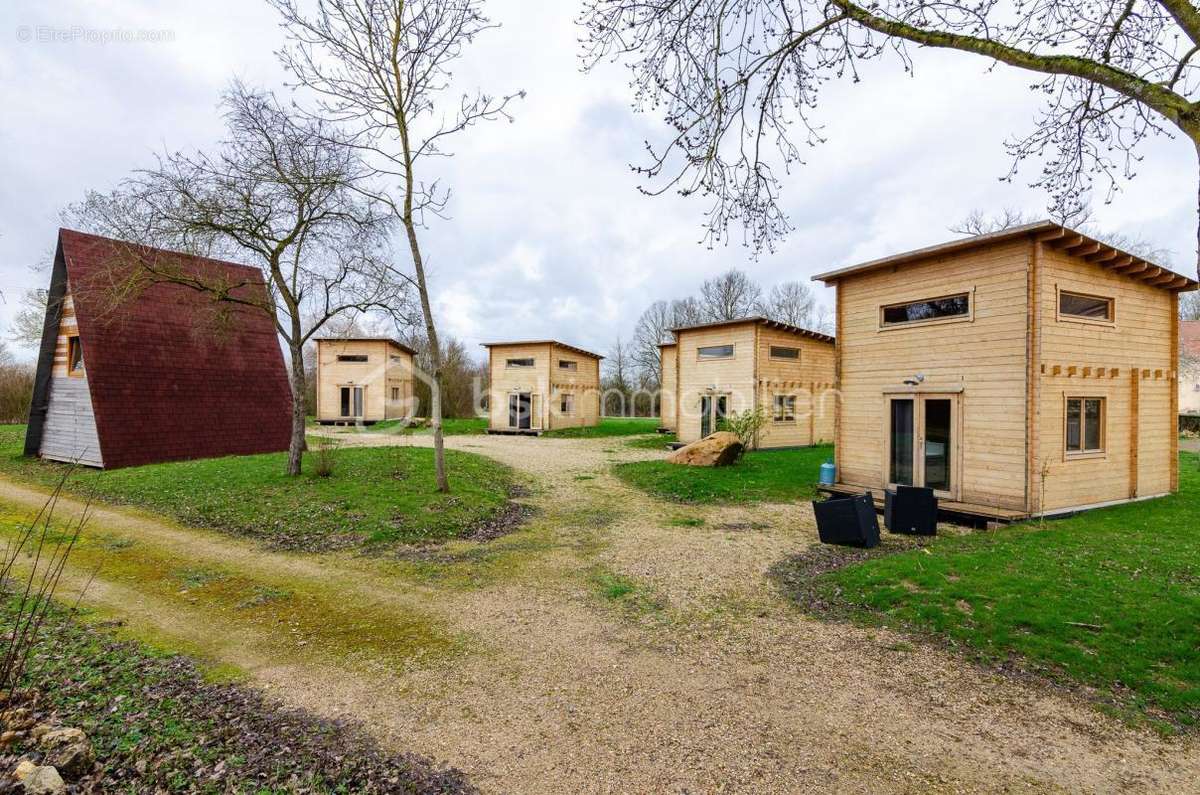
567,364
715,352
1092,307
785,408
352,357
519,363
1085,425
929,309
783,352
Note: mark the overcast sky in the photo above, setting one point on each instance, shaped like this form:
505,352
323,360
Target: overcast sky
548,235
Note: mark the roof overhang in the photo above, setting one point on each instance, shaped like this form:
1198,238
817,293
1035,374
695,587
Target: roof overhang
580,351
759,320
1049,233
395,343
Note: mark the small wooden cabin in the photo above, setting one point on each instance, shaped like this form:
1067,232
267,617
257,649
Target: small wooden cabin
730,366
667,392
364,380
155,371
541,385
1024,372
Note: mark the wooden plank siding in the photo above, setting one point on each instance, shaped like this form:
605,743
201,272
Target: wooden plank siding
69,433
387,367
667,380
752,378
984,356
1128,363
548,381
1013,362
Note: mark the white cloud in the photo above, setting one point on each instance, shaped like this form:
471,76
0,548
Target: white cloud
548,236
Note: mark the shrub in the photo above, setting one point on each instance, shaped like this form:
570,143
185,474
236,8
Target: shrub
16,392
746,425
326,456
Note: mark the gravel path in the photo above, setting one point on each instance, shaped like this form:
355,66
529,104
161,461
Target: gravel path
702,680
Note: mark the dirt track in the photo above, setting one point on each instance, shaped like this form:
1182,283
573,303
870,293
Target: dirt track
705,680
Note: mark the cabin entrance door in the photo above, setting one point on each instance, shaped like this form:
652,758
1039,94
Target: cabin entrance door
524,411
713,409
352,402
922,442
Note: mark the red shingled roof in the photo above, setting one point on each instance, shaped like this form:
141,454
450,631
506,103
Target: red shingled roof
174,374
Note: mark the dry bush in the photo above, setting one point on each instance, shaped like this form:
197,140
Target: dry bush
16,391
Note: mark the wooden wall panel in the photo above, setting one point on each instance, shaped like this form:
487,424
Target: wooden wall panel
734,376
810,379
1083,359
984,356
667,382
386,367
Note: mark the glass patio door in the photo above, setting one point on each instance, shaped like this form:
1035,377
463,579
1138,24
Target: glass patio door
713,409
352,401
921,442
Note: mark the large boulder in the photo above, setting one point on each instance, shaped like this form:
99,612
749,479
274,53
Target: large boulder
719,449
39,779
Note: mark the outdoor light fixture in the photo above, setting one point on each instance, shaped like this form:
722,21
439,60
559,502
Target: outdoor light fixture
915,380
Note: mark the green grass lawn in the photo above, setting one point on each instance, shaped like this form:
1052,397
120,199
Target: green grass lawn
451,426
657,441
766,475
609,426
375,495
1109,599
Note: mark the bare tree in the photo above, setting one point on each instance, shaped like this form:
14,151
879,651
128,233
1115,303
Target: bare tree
730,296
1189,306
733,78
379,69
282,193
27,323
618,379
978,222
652,330
791,302
686,312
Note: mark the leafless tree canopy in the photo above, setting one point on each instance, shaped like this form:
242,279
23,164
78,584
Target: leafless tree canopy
791,302
729,296
381,70
1189,306
739,81
978,222
282,193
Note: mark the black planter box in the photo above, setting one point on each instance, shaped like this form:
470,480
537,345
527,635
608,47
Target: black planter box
848,521
910,511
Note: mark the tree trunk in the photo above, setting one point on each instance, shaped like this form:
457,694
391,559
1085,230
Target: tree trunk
1196,140
299,387
435,358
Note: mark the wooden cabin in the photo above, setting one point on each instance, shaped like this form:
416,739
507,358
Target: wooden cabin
667,387
364,380
541,385
1024,372
1189,371
135,371
730,366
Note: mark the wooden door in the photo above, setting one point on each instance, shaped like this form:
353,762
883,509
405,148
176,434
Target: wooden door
921,443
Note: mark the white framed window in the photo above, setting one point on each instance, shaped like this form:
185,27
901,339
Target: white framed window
785,408
519,363
715,352
1084,425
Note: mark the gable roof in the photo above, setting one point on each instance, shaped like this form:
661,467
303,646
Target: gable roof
580,351
173,374
1052,234
395,343
761,320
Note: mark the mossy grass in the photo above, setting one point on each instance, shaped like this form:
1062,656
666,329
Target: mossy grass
378,495
761,476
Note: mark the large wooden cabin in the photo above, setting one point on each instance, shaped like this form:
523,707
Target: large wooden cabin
134,370
541,385
1024,372
730,366
364,380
